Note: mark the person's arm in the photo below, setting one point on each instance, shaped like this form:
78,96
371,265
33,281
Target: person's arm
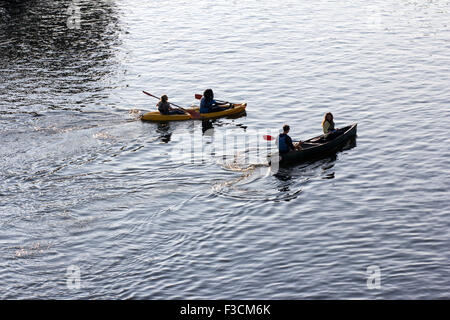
221,104
289,143
214,103
224,104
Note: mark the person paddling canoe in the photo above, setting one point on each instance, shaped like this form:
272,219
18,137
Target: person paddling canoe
284,142
208,104
164,107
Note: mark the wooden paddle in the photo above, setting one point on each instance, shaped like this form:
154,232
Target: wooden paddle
193,113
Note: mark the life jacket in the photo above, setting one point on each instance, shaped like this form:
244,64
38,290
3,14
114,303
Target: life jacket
282,143
206,105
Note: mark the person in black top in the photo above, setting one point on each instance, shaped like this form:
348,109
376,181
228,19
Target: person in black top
164,107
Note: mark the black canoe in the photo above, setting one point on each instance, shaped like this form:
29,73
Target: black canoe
318,147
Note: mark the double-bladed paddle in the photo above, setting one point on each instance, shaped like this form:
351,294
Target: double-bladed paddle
193,113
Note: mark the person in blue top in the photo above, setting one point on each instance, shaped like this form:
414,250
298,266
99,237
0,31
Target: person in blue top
208,104
285,142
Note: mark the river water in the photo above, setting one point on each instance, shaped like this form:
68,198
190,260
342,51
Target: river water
95,203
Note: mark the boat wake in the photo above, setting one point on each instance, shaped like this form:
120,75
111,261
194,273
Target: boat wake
135,114
257,182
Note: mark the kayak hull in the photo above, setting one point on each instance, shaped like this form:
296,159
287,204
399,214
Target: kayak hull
317,147
155,116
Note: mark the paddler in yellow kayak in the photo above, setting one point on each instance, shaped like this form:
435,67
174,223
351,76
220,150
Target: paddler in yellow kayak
208,104
164,107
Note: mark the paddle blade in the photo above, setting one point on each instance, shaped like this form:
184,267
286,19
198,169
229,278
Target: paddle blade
194,114
198,96
268,137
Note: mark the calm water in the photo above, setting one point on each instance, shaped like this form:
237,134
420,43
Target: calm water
86,185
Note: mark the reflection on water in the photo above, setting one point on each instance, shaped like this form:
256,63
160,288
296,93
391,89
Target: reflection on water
51,65
350,144
163,129
206,125
255,184
237,115
310,169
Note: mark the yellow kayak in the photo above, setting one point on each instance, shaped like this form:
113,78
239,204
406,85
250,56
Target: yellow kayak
157,117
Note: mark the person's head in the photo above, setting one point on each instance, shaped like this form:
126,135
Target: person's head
208,94
329,117
164,98
286,128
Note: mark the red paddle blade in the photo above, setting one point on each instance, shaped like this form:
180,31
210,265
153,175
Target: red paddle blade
198,96
268,137
193,113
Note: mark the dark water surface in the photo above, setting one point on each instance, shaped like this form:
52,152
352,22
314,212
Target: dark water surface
141,212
